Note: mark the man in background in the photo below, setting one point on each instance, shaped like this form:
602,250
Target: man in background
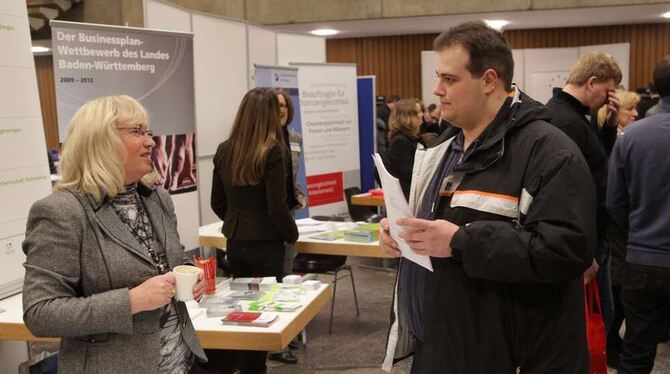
638,200
592,83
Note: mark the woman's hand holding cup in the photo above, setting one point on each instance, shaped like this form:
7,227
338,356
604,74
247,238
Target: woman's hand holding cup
153,293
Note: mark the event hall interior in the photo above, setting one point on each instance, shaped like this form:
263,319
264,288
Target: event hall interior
337,69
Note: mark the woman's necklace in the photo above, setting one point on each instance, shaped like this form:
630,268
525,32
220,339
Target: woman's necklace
146,239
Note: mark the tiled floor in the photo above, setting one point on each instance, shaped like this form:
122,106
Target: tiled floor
357,345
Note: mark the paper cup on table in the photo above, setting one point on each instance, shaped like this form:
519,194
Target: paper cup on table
187,277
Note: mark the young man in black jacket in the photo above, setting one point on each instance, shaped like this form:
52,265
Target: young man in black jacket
505,207
591,84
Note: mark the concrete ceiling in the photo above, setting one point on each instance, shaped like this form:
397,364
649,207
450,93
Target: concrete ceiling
531,19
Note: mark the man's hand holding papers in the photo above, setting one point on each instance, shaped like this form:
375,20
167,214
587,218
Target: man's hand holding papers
396,207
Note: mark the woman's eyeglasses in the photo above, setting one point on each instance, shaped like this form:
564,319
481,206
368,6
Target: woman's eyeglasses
138,131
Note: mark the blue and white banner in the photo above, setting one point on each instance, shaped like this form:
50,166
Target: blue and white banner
329,112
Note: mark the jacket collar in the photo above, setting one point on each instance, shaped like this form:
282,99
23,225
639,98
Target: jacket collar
573,102
517,110
111,224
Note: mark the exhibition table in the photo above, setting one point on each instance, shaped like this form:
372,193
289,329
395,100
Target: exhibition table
211,332
367,199
211,236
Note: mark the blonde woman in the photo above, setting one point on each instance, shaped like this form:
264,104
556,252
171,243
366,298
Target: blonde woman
627,111
404,125
99,252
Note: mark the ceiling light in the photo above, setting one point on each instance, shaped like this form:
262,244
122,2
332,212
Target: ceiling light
39,49
497,24
323,32
666,15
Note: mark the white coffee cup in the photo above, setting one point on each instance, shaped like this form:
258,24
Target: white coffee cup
187,277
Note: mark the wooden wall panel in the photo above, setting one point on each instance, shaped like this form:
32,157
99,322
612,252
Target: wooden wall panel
45,83
396,60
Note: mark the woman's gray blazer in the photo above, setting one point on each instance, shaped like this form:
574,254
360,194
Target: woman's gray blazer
81,261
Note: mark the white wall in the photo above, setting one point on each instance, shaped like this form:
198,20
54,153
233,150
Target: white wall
262,49
300,48
428,64
161,16
220,84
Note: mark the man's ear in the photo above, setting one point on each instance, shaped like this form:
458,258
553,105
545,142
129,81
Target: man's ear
490,79
591,82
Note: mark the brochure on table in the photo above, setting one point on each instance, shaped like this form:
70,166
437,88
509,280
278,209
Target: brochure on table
201,322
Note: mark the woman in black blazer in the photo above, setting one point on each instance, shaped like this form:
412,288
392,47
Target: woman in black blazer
404,125
249,195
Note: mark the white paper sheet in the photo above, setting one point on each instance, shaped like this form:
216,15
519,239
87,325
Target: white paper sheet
397,207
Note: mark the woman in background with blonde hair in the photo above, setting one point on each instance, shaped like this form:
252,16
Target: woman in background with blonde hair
627,113
99,252
404,126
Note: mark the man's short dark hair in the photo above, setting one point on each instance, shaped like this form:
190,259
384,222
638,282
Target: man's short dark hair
487,47
392,98
662,77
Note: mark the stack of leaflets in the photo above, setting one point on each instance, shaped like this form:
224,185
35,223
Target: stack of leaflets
286,307
328,236
254,284
365,233
245,295
259,319
219,306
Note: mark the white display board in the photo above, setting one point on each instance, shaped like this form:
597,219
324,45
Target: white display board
300,48
206,168
220,84
428,77
161,16
24,170
519,67
546,68
536,70
224,54
262,49
220,80
329,114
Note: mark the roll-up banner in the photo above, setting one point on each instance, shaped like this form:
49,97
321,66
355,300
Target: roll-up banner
329,112
24,170
156,68
286,78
